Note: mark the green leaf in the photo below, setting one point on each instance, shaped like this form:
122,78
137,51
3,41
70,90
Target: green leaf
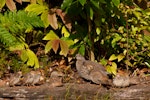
40,2
51,36
91,13
112,57
66,3
120,57
82,50
147,64
2,3
116,2
82,2
64,48
44,18
38,9
112,69
95,3
65,32
24,56
32,59
48,46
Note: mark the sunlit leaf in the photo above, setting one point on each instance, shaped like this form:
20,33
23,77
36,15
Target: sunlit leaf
44,18
24,56
82,49
147,64
38,9
116,2
53,20
2,3
32,59
120,57
82,2
112,57
98,30
11,5
112,69
91,13
48,46
66,3
51,36
65,32
64,48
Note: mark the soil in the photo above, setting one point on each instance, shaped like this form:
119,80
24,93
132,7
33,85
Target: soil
76,91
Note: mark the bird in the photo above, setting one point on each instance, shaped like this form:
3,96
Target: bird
28,78
121,79
92,71
32,78
15,78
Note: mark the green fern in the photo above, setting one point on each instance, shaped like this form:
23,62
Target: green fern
13,29
13,26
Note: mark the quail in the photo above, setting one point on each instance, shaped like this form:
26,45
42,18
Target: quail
121,79
92,71
15,78
28,78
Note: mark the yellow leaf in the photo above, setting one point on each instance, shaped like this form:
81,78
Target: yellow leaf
120,57
11,5
64,48
65,32
51,36
19,46
32,59
112,57
38,9
24,56
112,69
2,3
44,18
48,46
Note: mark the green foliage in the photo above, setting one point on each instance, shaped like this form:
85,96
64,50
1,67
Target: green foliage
13,29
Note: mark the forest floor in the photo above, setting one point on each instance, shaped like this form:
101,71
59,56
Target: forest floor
76,91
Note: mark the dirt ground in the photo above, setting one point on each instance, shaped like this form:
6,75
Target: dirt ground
76,91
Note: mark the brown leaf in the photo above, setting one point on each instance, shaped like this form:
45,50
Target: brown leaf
65,18
19,1
53,20
11,5
55,45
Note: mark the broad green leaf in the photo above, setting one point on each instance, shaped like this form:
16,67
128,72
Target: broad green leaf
116,2
51,36
38,9
82,2
48,46
55,45
44,18
82,49
24,56
65,4
95,3
32,59
64,48
30,55
120,57
65,32
116,38
2,3
112,69
112,57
